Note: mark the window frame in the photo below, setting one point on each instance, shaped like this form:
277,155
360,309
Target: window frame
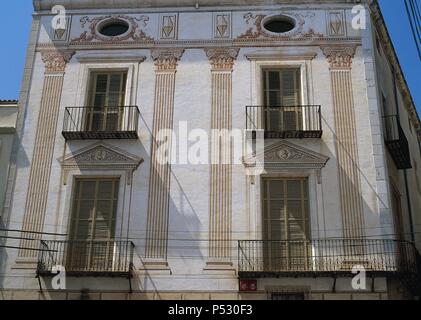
286,247
265,61
122,217
283,124
105,110
304,181
77,180
89,67
74,245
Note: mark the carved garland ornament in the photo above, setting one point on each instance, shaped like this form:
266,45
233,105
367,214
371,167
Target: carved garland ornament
56,61
222,59
134,33
167,59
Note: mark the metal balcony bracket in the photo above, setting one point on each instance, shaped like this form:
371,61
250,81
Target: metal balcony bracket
130,284
334,284
285,122
372,283
39,283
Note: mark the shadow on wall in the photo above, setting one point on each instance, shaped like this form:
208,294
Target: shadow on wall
183,224
382,218
3,258
6,221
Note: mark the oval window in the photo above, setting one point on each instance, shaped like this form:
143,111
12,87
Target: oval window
114,28
279,25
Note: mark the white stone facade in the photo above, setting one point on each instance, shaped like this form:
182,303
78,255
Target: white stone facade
339,66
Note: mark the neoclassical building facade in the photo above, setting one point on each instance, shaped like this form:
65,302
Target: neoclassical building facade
324,182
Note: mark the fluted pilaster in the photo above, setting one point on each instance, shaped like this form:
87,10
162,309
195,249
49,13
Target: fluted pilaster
220,209
166,62
39,177
340,60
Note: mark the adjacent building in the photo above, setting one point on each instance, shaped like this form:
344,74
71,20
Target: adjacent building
8,117
335,190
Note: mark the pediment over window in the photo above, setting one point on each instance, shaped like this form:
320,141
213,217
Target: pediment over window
286,155
100,156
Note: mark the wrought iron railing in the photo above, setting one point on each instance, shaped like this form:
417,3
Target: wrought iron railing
86,258
396,142
317,257
285,121
82,123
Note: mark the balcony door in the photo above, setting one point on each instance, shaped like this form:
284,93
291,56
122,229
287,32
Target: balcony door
282,98
286,224
107,92
93,221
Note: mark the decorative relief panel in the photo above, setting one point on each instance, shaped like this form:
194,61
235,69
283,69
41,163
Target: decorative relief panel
91,34
61,34
168,27
336,23
256,31
222,25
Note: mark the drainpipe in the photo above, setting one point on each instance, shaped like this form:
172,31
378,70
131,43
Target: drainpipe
405,171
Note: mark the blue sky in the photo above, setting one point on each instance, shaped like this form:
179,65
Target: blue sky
18,22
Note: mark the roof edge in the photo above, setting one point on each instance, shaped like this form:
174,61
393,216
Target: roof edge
383,32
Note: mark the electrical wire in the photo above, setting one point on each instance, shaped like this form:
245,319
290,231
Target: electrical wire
413,14
388,225
24,248
33,232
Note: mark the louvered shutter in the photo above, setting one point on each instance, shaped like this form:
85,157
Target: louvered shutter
292,117
93,224
107,94
282,88
286,224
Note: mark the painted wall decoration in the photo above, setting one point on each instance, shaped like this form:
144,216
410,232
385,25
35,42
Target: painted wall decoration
336,23
222,25
257,31
91,33
169,27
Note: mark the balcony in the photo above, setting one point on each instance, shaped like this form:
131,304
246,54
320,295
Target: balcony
330,258
281,122
397,143
98,123
84,258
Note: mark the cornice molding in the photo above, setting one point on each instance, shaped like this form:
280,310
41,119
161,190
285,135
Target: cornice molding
283,54
40,5
110,57
205,43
